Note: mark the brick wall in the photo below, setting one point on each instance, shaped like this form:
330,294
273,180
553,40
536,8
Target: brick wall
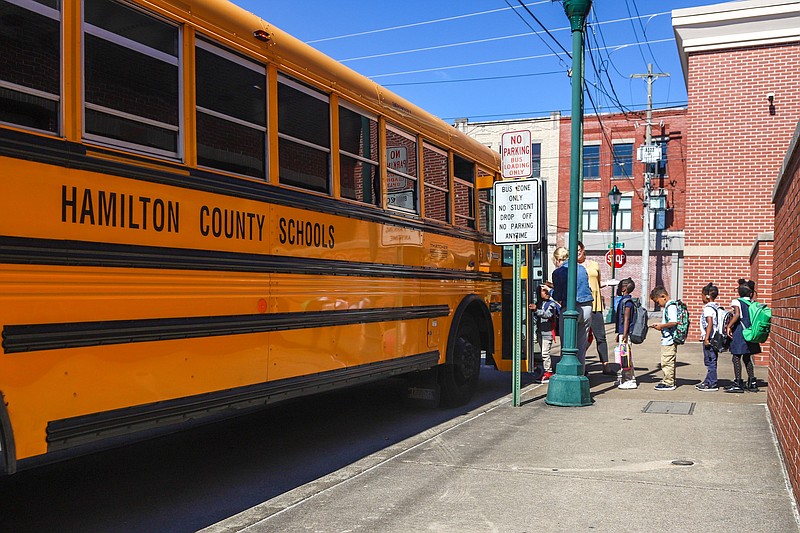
783,398
735,150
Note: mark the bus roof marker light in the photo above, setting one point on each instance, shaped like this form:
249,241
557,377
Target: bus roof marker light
262,35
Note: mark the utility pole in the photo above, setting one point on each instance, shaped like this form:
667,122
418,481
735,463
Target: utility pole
648,156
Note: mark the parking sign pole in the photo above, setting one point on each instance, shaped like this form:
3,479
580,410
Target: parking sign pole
517,316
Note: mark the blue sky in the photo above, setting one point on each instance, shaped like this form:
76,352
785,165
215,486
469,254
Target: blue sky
485,61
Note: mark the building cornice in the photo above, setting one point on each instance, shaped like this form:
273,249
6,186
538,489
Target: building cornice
734,25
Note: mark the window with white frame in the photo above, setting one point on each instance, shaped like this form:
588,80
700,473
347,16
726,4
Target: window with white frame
591,162
131,78
231,112
658,209
30,64
591,214
623,160
304,139
625,213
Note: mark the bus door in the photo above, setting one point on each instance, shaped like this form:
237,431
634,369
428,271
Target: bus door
534,272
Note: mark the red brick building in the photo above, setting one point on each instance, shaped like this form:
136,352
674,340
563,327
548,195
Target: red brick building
740,62
735,56
610,158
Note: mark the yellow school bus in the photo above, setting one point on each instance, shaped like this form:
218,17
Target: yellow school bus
199,214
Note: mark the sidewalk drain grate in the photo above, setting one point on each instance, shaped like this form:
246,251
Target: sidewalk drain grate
669,408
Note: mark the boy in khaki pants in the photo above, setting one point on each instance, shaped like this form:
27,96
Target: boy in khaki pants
669,350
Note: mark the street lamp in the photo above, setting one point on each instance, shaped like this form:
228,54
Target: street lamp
614,197
569,387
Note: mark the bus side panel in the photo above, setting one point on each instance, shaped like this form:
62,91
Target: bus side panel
57,384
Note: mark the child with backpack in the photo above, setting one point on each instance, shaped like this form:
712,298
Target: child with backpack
740,348
708,326
624,312
547,313
668,328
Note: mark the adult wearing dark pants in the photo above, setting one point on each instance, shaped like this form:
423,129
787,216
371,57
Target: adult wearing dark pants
583,299
597,322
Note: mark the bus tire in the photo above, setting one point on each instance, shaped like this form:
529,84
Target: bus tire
458,377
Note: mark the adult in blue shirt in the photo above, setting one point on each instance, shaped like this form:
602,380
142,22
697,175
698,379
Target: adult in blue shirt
583,299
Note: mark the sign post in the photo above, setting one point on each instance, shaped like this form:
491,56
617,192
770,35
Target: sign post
516,222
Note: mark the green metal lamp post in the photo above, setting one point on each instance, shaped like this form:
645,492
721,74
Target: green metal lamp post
614,197
569,387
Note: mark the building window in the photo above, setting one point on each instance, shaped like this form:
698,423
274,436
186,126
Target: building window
231,112
131,78
661,167
625,213
464,183
623,161
591,162
358,156
401,170
304,142
658,209
436,179
536,160
30,65
591,214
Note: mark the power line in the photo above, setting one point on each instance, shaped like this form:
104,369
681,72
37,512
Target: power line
485,78
509,60
477,41
545,29
543,112
415,24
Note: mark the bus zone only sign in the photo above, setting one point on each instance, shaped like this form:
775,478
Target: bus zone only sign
517,211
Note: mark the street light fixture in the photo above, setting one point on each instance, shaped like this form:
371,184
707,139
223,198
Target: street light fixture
614,197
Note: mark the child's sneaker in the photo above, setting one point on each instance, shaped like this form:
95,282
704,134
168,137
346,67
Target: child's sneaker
546,376
736,387
705,387
664,386
630,384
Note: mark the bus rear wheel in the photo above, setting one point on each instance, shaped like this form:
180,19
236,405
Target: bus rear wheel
458,377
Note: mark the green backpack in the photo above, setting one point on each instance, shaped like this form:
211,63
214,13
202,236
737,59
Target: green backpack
682,329
760,322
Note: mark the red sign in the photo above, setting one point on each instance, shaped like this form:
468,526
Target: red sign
619,258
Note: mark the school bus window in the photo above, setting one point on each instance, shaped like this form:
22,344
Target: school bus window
401,175
30,69
464,172
231,112
436,180
485,207
359,176
131,73
304,143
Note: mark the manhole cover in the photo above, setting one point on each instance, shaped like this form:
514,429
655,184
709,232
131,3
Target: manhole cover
669,408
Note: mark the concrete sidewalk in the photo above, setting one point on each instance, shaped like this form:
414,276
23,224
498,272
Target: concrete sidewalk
635,460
